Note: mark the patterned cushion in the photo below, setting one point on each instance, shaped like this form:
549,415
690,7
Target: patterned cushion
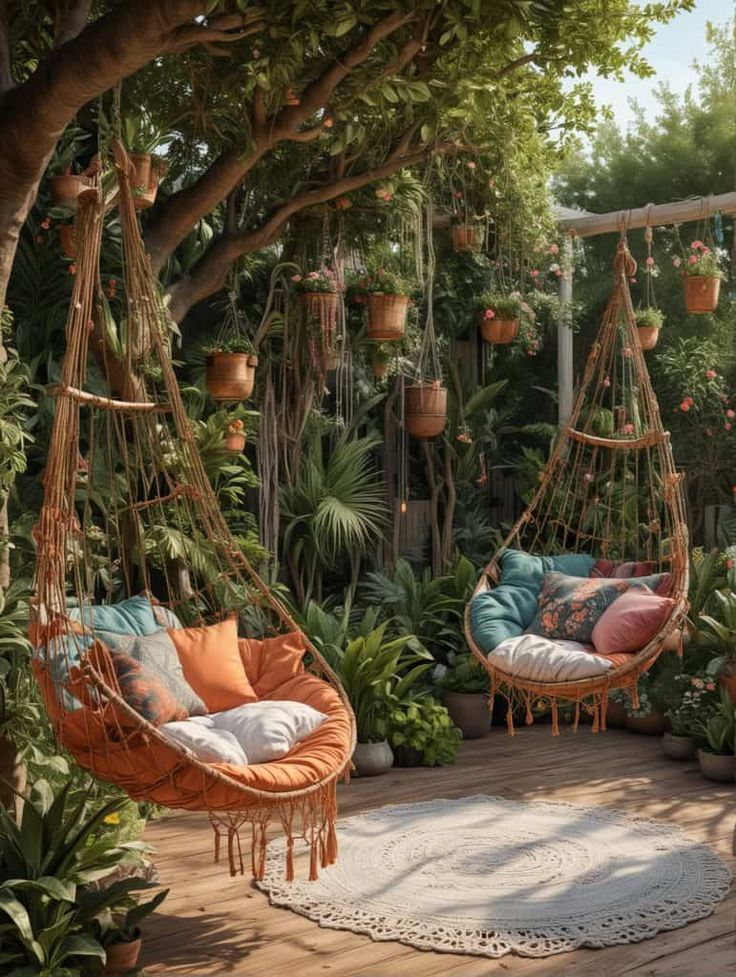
139,685
569,607
158,653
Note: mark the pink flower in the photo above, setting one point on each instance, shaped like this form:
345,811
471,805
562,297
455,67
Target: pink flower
710,686
633,281
711,374
697,244
705,250
628,428
684,406
296,278
313,275
470,164
677,262
606,382
693,259
558,272
534,273
46,223
730,414
588,477
489,314
728,426
698,683
72,269
650,262
464,438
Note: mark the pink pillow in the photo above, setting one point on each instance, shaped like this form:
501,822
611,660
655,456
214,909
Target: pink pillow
631,621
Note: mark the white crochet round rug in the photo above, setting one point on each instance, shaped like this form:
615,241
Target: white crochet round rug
489,876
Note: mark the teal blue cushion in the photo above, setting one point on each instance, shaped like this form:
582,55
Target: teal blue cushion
132,616
509,609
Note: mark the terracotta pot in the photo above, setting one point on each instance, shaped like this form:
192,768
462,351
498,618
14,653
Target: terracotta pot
66,189
465,237
141,174
407,756
121,958
615,715
387,316
321,305
145,190
425,410
717,766
379,366
12,774
234,442
231,376
727,678
648,336
68,240
499,331
372,759
655,724
679,747
469,712
701,293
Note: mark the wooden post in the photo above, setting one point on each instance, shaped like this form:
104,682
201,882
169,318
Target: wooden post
678,212
564,338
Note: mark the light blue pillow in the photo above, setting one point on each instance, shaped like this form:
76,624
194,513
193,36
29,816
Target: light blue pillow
132,616
59,660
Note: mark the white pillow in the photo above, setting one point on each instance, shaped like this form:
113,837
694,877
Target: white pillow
205,742
270,729
539,659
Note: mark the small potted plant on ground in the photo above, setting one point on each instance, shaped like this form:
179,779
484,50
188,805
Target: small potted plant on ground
425,408
421,733
499,317
648,323
465,233
701,274
647,719
230,368
716,755
465,694
118,929
387,294
694,699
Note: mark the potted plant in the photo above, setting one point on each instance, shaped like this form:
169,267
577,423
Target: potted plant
380,357
465,694
387,294
230,368
421,733
425,408
142,138
369,669
721,634
716,756
118,926
67,186
317,291
499,317
694,698
648,323
701,274
465,233
647,718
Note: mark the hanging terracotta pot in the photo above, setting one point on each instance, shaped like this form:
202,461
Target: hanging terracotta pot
145,198
141,171
234,442
379,365
68,239
65,189
387,316
122,958
321,305
648,336
425,410
701,293
231,376
465,237
500,332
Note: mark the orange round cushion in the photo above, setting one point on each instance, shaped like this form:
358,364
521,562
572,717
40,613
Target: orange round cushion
212,664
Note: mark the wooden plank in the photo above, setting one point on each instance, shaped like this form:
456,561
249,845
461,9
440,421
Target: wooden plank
678,212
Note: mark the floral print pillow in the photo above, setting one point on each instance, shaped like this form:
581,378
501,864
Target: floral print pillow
569,607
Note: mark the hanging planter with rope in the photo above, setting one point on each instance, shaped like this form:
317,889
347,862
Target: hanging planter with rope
701,269
499,317
318,295
649,319
231,362
466,235
387,295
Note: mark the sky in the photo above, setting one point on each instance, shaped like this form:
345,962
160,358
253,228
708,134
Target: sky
671,53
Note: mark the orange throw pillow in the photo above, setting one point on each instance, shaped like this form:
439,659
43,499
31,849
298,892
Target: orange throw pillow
269,662
212,665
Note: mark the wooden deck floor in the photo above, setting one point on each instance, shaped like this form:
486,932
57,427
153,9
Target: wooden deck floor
212,925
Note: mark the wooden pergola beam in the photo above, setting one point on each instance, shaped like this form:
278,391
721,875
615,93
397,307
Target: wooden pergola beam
677,212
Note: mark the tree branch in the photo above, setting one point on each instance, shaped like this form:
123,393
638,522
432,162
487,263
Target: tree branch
518,63
217,30
71,19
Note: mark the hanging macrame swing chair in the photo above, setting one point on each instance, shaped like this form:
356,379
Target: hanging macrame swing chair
130,515
609,504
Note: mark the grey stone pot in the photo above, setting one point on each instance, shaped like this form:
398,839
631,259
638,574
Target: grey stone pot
372,759
652,725
717,766
679,747
469,712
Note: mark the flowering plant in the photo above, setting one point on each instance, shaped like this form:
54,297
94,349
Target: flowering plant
649,317
384,281
232,344
324,280
528,338
493,305
701,260
698,700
